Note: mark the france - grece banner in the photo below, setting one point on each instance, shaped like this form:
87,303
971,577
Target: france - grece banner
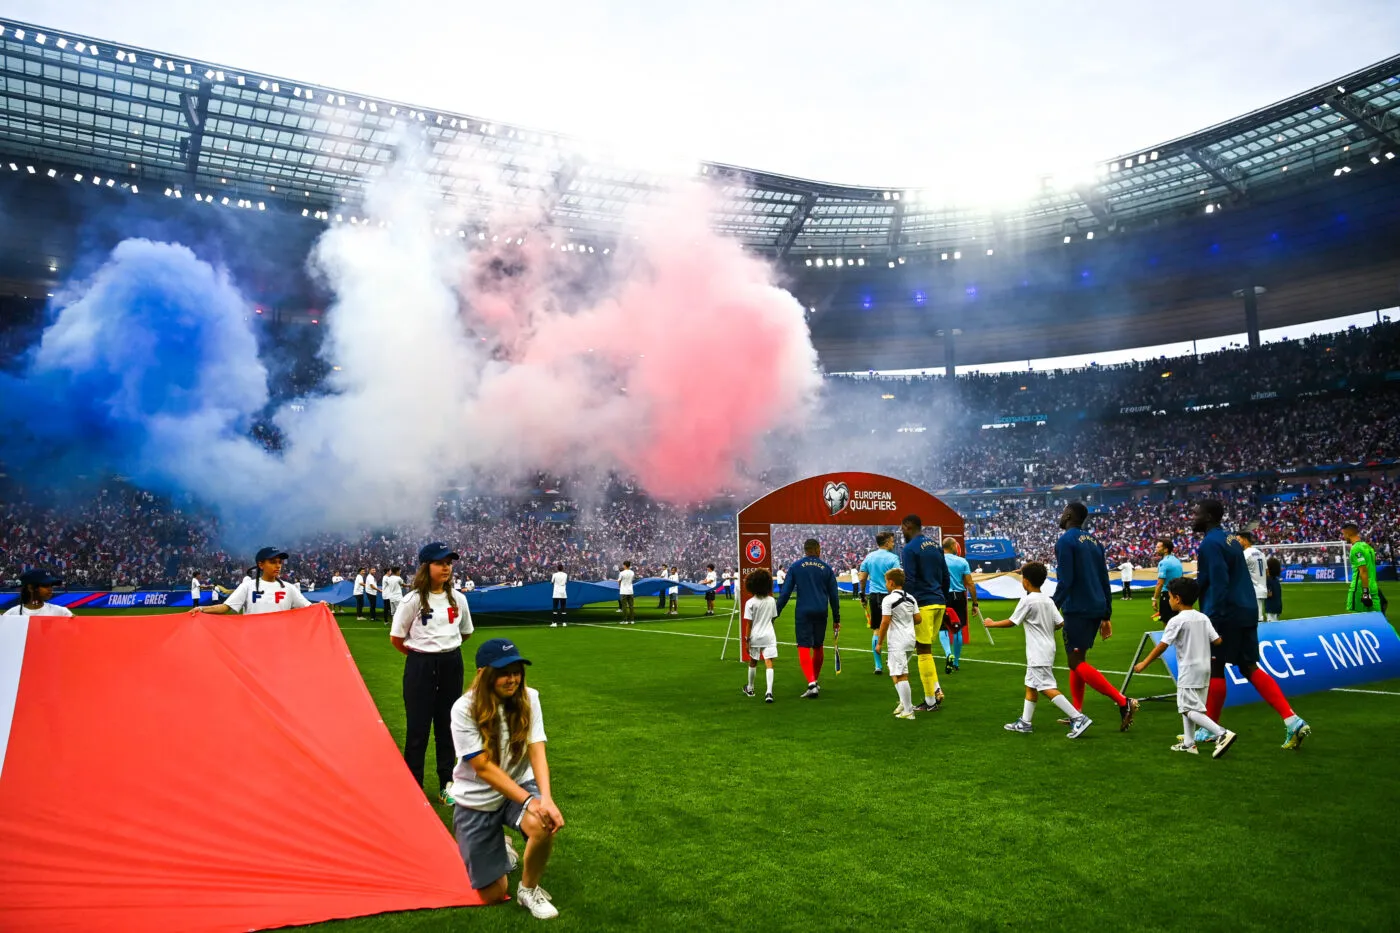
1307,655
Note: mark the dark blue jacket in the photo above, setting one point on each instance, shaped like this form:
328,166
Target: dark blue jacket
816,588
1081,576
925,571
1227,592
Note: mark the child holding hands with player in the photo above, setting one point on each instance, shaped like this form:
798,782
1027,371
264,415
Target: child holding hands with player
1192,634
897,613
1039,616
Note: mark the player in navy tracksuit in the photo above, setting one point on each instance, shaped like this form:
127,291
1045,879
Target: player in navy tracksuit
1084,598
927,580
1228,599
815,585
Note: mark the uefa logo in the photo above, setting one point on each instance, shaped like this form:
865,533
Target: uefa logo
837,497
755,551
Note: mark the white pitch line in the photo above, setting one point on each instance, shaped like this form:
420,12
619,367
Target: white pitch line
1379,693
793,644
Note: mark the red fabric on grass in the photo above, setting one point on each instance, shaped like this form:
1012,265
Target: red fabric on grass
207,773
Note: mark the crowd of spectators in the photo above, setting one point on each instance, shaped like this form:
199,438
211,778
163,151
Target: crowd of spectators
1333,405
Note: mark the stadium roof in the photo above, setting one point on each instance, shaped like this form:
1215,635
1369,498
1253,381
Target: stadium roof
152,121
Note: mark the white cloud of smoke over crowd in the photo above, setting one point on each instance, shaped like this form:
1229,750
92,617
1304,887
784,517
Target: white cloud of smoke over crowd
459,361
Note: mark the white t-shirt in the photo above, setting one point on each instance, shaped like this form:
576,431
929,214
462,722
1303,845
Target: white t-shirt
1258,571
624,582
442,630
371,586
760,614
1126,569
47,609
468,789
561,584
468,585
901,608
256,597
675,589
779,577
393,587
359,585
711,579
1038,615
194,589
1191,633
337,578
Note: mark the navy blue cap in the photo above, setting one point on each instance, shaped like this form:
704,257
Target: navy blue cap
39,578
268,553
437,551
498,652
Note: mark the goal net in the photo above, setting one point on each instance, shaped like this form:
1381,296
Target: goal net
1311,560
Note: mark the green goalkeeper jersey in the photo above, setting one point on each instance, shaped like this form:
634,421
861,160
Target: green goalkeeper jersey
1363,556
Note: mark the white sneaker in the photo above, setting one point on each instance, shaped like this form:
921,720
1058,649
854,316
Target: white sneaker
554,625
1080,724
565,624
536,901
901,713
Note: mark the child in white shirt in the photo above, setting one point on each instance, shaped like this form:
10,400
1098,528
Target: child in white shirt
898,610
757,635
1039,616
1191,634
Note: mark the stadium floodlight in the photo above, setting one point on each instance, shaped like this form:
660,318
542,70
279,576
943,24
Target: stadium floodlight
957,254
92,50
262,206
809,262
1375,159
207,74
820,262
167,192
189,70
860,262
1067,239
178,194
240,80
945,257
110,182
262,86
1089,235
276,88
224,201
80,47
1153,155
990,252
96,180
1390,155
218,76
40,38
62,43
305,211
135,190
1210,208
19,33
901,260
78,177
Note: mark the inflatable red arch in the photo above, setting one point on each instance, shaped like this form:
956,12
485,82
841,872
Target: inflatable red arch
838,499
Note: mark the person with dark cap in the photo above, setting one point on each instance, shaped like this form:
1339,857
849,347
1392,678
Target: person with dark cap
429,628
263,590
501,780
814,582
35,591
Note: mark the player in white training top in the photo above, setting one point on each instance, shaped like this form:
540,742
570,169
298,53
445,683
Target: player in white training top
561,596
1258,567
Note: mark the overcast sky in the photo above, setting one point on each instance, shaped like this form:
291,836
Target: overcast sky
962,95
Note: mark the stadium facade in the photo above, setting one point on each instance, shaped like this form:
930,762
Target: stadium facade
1287,214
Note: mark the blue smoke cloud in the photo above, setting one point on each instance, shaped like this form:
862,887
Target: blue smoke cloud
150,361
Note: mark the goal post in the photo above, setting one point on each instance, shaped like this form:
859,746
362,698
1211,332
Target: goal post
1307,554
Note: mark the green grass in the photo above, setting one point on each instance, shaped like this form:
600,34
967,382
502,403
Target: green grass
691,807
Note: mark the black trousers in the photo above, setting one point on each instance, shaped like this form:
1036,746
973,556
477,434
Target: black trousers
374,605
560,605
360,604
431,684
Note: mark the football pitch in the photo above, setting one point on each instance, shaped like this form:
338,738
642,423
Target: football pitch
692,807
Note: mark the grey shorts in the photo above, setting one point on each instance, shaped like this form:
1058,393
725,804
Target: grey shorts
481,841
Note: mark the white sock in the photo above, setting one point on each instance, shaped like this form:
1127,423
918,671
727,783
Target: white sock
1293,720
752,670
1188,734
1028,711
1063,704
906,695
769,674
1205,722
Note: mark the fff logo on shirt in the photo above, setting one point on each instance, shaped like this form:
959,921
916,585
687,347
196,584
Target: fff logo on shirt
277,595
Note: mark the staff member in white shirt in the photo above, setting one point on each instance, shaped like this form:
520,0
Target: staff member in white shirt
625,578
393,593
372,597
675,591
561,596
359,592
711,581
195,589
1258,567
35,591
1125,576
262,590
428,629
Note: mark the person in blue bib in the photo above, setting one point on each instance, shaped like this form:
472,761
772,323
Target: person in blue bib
815,585
1168,569
872,582
1085,599
962,591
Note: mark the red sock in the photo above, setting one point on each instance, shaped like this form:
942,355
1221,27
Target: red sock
1269,689
804,659
1215,698
1076,689
1099,682
818,658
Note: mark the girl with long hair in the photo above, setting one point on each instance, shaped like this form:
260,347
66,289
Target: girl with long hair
501,780
428,628
35,591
